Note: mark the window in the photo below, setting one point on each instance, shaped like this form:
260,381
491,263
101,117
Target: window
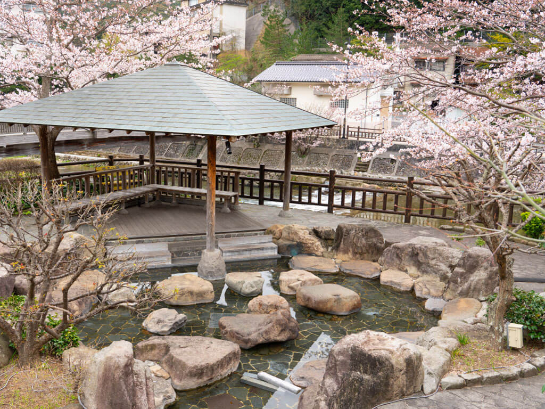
420,64
429,65
289,101
437,65
340,103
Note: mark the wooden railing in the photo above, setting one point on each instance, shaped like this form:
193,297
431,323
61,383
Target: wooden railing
394,196
103,182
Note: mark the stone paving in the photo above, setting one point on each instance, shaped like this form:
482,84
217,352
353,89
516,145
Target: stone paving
524,393
526,266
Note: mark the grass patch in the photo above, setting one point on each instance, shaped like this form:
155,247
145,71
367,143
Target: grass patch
479,354
463,339
45,385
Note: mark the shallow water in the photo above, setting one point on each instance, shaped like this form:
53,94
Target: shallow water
383,309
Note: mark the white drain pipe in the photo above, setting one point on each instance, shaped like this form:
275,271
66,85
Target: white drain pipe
278,382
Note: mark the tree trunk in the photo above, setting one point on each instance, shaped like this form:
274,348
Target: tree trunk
47,137
498,308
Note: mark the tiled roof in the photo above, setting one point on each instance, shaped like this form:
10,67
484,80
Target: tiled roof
308,71
172,98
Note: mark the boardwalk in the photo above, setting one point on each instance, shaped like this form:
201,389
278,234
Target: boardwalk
165,220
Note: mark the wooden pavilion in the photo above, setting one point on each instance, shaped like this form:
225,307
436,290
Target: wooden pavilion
174,99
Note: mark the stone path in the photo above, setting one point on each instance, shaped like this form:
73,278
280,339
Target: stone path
524,394
525,266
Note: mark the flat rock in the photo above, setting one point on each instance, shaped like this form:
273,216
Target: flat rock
265,304
436,363
432,336
460,309
186,289
538,362
396,279
246,284
308,374
191,362
527,370
164,321
123,296
249,330
361,268
313,263
325,233
509,374
490,377
428,287
472,378
291,281
435,305
329,298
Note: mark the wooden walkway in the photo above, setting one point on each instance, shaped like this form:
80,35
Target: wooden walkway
164,220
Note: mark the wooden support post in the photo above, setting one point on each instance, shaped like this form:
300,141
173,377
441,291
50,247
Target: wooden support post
140,160
211,195
110,160
287,174
261,184
152,157
331,194
409,200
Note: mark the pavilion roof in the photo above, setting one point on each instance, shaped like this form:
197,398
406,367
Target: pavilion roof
172,98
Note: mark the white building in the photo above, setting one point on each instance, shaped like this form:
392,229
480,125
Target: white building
232,21
308,85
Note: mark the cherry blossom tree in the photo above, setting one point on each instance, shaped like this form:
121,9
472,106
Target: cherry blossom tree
478,133
52,46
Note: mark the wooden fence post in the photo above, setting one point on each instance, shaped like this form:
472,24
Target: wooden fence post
141,160
331,193
409,200
261,184
199,174
110,160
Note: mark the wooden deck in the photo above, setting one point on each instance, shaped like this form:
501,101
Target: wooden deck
164,220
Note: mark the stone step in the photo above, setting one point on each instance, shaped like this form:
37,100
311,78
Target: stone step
151,253
234,241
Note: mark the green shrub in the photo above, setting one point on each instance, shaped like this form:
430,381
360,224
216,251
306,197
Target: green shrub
10,309
535,227
480,242
527,309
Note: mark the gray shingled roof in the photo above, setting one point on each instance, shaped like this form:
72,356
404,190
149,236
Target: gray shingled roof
172,98
308,71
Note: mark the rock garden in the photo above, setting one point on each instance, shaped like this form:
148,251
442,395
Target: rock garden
352,320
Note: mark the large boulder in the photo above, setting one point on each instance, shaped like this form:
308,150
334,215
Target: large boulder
266,304
164,321
364,370
76,359
122,296
329,298
325,233
115,380
291,281
73,240
163,393
246,284
87,283
475,275
5,351
358,242
191,362
186,289
7,281
21,285
304,238
429,287
436,363
313,263
275,231
249,330
421,256
361,268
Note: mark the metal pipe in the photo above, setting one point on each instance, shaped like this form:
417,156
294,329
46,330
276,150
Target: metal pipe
273,380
